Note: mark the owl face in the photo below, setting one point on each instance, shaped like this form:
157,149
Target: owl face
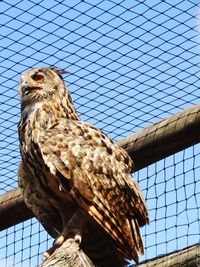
39,84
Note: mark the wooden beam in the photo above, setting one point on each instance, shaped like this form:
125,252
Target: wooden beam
144,147
13,209
164,138
189,257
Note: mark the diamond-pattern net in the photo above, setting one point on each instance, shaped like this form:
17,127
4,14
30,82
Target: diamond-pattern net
131,63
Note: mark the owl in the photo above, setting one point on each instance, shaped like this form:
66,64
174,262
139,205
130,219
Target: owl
74,178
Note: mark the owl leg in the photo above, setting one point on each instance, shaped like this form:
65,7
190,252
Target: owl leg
71,229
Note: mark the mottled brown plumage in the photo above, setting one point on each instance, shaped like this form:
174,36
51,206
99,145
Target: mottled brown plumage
70,168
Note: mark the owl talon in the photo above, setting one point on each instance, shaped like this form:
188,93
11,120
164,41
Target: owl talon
59,241
47,254
56,244
78,238
74,234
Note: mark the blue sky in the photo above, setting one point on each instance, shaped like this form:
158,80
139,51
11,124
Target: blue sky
131,63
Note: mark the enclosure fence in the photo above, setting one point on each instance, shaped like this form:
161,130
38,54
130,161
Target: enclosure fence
134,73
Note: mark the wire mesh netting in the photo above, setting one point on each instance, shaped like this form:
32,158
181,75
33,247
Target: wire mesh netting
131,63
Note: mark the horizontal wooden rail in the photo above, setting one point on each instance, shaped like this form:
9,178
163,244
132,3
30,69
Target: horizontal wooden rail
164,138
13,209
189,257
144,147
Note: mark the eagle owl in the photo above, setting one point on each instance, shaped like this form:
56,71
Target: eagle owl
73,174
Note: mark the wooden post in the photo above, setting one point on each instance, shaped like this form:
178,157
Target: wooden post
68,255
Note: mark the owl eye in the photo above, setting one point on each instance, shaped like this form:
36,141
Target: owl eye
39,78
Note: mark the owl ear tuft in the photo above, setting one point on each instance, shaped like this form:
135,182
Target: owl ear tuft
58,71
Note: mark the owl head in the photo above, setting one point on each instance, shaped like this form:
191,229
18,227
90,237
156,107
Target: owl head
41,87
40,84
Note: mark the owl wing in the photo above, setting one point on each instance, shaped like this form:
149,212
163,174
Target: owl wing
96,173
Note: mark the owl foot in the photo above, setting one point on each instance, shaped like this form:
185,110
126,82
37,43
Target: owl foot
74,234
69,233
72,230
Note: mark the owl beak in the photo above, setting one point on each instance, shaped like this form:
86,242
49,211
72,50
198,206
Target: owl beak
27,89
24,87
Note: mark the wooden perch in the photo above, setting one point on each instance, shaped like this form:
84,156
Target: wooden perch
189,257
145,147
68,255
